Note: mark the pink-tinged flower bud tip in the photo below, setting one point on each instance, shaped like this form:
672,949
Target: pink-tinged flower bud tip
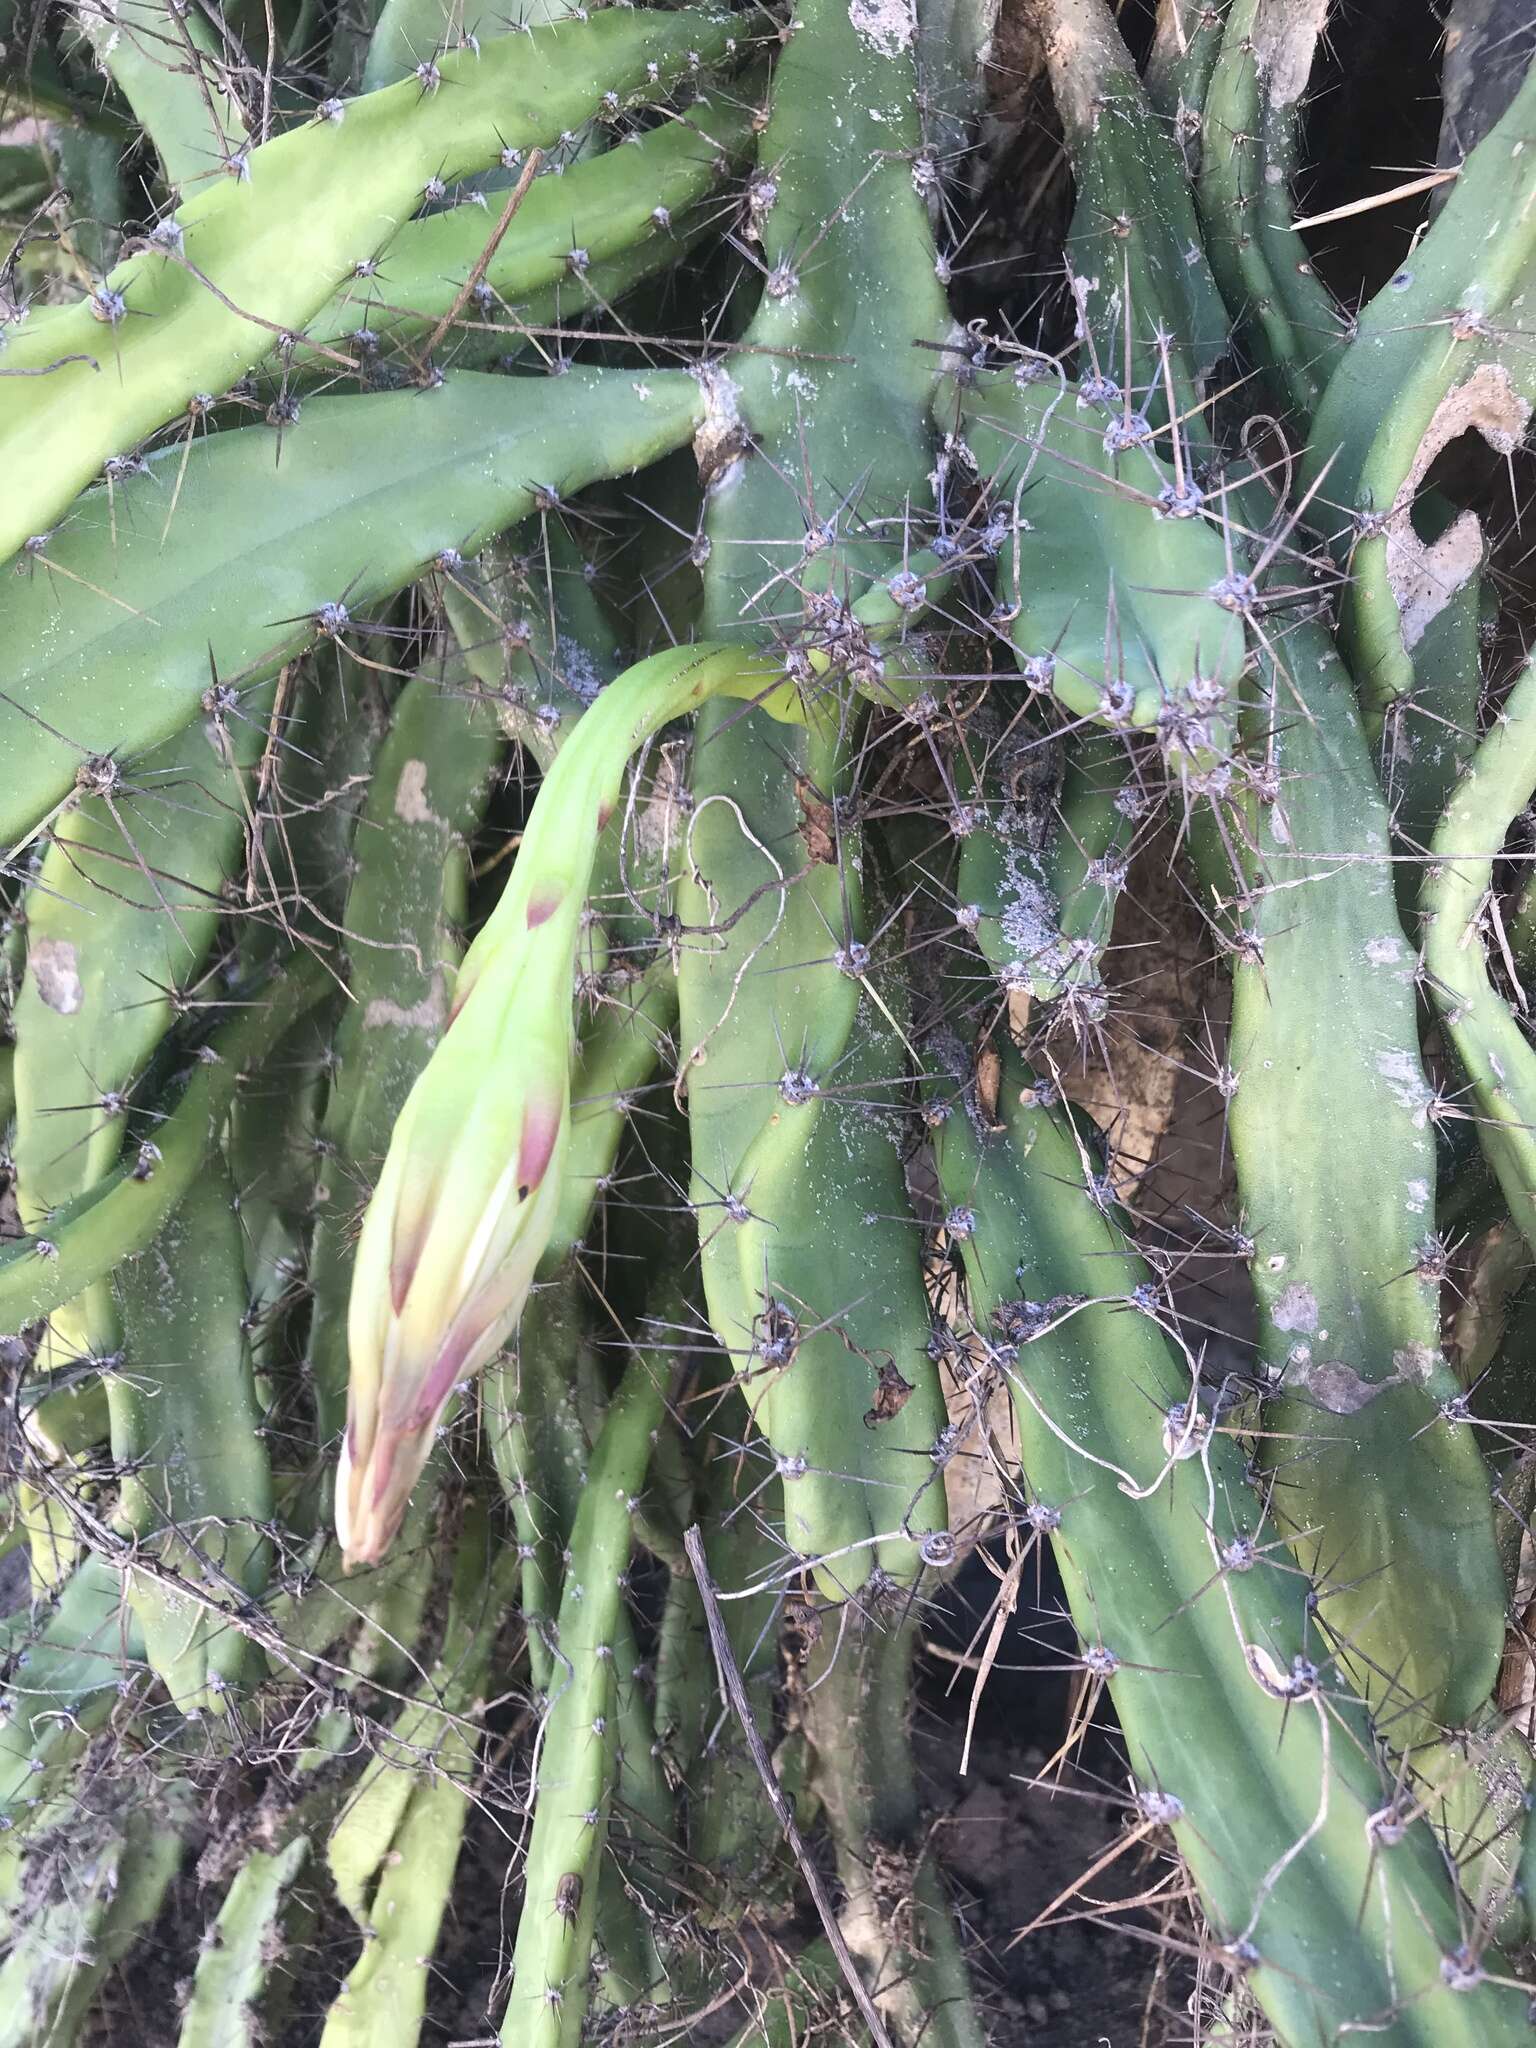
439,1284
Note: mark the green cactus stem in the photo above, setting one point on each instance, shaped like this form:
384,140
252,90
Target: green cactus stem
577,1765
1492,1049
276,242
122,1213
1324,1882
1349,1342
186,1432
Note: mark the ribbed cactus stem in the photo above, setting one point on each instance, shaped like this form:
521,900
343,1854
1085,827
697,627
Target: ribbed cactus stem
1493,1049
276,241
91,1235
577,1761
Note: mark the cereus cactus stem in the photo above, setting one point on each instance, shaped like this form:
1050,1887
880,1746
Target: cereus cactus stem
471,1187
254,257
98,1894
1337,1213
1439,353
1046,860
424,1781
1119,597
1149,315
122,912
186,1431
1494,1052
577,1763
1325,1884
1185,46
166,63
90,1235
603,207
820,502
427,793
235,1967
60,1688
371,491
1252,118
854,1707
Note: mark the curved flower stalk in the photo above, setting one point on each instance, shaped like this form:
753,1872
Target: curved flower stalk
471,1186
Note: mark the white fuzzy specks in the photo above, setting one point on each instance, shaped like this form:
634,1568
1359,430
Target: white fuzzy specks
1384,952
1418,1197
886,25
1405,1077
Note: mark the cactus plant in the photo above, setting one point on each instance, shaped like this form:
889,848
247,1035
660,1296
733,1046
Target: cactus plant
606,615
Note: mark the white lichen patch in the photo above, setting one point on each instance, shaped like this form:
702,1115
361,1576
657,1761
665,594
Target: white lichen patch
1296,1309
54,966
428,1015
1415,1363
411,805
886,25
